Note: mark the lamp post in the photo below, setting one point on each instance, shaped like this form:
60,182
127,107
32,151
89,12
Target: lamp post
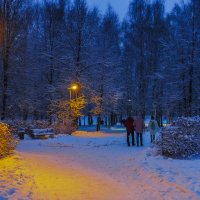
129,107
73,91
73,87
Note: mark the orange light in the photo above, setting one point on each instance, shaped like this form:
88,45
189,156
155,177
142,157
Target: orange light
74,87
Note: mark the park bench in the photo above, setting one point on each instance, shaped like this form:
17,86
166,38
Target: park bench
41,133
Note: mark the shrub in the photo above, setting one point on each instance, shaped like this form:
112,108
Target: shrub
7,141
16,125
67,114
64,127
181,139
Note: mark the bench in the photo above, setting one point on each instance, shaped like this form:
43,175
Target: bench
41,133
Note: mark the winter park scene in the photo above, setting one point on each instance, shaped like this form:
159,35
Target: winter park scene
99,99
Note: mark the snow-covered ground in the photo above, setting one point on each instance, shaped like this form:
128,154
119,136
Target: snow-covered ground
96,166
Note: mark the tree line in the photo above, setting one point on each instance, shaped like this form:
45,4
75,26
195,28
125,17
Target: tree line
148,63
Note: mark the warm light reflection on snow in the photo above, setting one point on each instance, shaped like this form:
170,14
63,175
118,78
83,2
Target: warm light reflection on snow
47,180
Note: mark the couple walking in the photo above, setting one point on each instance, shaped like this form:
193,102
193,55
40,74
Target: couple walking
138,126
135,125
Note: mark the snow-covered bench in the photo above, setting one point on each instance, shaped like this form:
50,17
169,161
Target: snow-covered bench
41,133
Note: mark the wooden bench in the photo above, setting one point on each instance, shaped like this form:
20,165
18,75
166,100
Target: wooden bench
41,133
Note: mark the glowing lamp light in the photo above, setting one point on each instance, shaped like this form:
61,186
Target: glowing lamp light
74,87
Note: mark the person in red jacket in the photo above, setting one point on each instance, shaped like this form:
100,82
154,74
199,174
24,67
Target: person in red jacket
130,130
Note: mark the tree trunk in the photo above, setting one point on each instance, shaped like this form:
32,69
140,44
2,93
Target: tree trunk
109,121
191,68
79,119
90,121
98,126
5,86
25,114
84,120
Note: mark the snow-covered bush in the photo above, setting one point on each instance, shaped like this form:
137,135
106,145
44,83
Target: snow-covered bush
7,141
64,127
27,125
181,139
187,122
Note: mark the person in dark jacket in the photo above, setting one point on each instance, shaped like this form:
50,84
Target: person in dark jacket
130,130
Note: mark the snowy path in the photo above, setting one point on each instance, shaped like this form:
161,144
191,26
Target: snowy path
97,167
55,181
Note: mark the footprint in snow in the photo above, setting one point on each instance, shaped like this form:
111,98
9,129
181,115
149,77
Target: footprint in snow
173,180
10,192
189,179
160,169
198,193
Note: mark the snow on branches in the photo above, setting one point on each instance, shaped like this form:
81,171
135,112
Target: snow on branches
181,139
67,114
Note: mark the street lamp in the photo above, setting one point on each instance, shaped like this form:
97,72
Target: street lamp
73,87
129,106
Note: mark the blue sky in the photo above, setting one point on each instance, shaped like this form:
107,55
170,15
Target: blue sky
121,6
